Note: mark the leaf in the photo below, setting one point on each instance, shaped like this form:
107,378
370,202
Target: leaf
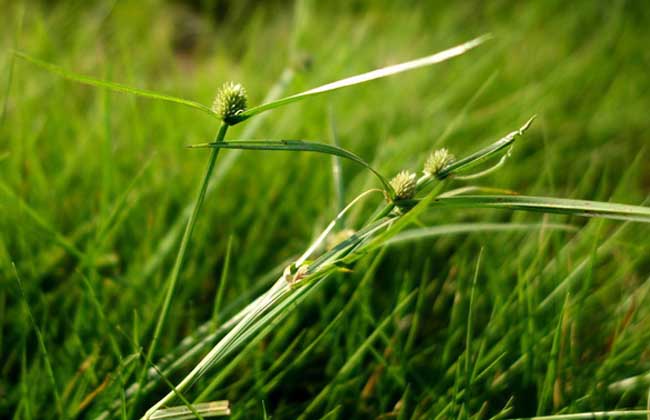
484,154
463,228
548,205
117,87
295,145
592,415
209,409
371,75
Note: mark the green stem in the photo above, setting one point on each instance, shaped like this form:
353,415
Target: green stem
180,257
385,211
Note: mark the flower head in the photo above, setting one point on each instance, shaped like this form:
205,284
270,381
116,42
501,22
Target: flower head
231,100
293,275
404,184
437,162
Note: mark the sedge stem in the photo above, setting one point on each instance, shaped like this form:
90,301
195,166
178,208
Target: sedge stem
385,211
180,257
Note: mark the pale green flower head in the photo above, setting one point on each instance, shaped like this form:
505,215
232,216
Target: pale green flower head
404,184
437,161
231,100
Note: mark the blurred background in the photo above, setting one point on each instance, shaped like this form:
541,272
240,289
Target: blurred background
93,185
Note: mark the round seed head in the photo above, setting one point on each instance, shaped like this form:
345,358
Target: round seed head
437,161
231,100
404,184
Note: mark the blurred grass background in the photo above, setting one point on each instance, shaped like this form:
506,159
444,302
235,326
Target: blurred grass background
92,182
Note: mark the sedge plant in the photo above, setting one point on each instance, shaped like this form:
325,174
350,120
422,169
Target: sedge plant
404,197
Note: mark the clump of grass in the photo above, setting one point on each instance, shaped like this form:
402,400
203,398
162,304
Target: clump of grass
406,198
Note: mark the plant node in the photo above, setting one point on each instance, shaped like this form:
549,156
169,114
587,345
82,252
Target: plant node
292,274
230,102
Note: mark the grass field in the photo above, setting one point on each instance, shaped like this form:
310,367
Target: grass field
468,313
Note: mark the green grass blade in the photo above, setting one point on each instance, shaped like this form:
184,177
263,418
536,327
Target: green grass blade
592,415
223,373
357,356
406,219
106,325
296,146
337,170
463,228
551,370
319,240
461,116
188,409
24,388
468,337
476,158
209,409
371,75
548,205
41,344
333,414
222,283
43,224
300,359
117,87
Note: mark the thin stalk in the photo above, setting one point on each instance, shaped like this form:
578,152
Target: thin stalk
383,212
180,257
41,344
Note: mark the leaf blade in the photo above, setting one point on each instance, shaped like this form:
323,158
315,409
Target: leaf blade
371,75
298,146
482,155
412,235
116,87
209,409
549,205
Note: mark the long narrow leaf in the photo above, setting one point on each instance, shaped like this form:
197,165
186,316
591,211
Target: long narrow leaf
549,205
484,154
371,75
295,145
111,85
592,415
209,409
417,234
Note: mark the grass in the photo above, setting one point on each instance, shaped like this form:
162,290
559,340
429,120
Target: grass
94,201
